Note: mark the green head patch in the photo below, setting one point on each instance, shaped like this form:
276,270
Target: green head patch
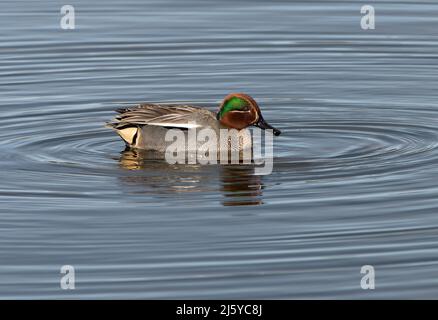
234,103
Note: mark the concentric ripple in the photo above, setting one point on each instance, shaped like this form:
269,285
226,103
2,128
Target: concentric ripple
332,148
347,149
311,148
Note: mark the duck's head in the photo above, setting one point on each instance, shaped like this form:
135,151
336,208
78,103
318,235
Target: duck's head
239,110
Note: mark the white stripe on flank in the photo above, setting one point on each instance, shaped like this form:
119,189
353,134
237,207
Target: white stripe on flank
175,125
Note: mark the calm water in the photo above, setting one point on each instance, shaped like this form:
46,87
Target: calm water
355,177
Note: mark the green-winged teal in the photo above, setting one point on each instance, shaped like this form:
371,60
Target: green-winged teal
145,126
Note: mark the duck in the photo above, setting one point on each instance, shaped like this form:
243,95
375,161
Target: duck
145,126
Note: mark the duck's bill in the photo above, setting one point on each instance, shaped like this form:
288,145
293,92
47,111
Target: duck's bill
262,124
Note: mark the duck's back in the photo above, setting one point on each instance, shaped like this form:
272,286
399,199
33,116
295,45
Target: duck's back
145,126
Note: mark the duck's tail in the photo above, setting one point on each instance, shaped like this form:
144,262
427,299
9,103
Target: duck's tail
128,132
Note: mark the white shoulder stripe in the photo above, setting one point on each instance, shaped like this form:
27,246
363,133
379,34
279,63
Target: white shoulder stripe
176,125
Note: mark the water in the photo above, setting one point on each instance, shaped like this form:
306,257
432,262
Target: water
355,170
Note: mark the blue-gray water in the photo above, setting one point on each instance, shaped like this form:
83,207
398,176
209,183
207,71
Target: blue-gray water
355,179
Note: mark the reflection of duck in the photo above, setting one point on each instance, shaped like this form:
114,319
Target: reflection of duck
241,186
145,126
238,183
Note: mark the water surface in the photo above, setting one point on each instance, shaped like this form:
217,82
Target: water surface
355,171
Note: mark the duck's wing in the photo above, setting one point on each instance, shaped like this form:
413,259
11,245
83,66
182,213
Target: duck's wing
169,116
